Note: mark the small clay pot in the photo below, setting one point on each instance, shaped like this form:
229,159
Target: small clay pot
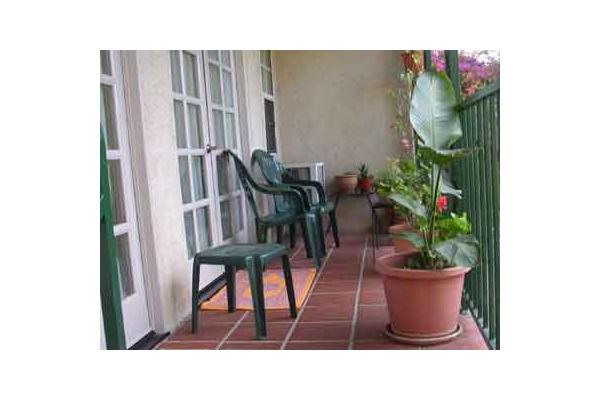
346,183
423,305
365,184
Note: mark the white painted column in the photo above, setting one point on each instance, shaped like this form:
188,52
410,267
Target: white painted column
160,211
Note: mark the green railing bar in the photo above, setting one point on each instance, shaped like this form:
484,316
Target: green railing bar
474,211
490,211
484,212
479,178
496,189
471,191
486,91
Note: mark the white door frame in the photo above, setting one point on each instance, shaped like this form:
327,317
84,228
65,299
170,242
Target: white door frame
204,101
136,318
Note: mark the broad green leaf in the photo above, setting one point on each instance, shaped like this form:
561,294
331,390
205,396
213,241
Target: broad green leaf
414,205
446,186
462,250
433,111
445,157
414,237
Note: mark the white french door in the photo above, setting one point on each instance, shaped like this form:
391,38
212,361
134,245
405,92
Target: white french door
206,123
112,118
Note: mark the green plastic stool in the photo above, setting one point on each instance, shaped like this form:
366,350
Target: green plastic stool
254,257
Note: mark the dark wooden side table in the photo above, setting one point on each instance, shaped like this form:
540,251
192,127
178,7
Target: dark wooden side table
374,203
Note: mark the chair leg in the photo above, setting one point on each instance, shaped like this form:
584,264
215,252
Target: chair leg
279,231
320,234
254,268
195,283
289,285
230,283
292,236
310,225
334,228
306,240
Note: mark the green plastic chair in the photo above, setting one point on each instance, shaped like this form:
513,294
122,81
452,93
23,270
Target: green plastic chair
299,210
275,174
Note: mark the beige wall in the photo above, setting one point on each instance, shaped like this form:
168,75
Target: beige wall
334,106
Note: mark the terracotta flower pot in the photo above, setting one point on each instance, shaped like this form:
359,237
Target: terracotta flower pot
423,305
398,219
402,245
365,184
346,183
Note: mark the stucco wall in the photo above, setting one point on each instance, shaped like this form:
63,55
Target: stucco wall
166,212
334,106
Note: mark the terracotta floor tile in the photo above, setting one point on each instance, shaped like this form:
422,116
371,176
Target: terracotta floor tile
333,286
383,346
314,345
323,314
322,331
214,332
370,332
219,317
342,276
187,345
371,284
273,316
343,300
262,345
247,332
374,313
469,339
372,298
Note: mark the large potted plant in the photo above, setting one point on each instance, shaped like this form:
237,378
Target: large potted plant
423,288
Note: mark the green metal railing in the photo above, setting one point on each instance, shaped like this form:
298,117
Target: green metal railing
479,178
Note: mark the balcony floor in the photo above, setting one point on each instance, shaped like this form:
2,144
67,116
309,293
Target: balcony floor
345,310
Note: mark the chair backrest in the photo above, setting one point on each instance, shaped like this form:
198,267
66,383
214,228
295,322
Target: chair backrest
272,170
246,181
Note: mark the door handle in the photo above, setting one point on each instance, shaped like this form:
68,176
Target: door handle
209,147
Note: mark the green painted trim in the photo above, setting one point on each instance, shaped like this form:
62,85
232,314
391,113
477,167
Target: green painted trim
110,291
488,90
427,58
452,70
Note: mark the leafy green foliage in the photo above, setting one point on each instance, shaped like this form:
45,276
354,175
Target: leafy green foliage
363,171
433,111
410,203
461,250
444,240
402,177
449,226
415,238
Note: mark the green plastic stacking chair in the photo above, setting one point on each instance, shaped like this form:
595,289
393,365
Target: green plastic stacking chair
275,174
299,212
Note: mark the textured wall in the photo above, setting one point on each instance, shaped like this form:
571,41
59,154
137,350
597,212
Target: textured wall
334,106
163,183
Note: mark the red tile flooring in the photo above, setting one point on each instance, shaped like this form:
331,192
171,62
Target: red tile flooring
345,309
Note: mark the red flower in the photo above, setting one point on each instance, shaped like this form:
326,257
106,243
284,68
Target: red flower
442,203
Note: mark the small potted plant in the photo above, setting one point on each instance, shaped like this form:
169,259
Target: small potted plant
423,287
365,181
346,183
